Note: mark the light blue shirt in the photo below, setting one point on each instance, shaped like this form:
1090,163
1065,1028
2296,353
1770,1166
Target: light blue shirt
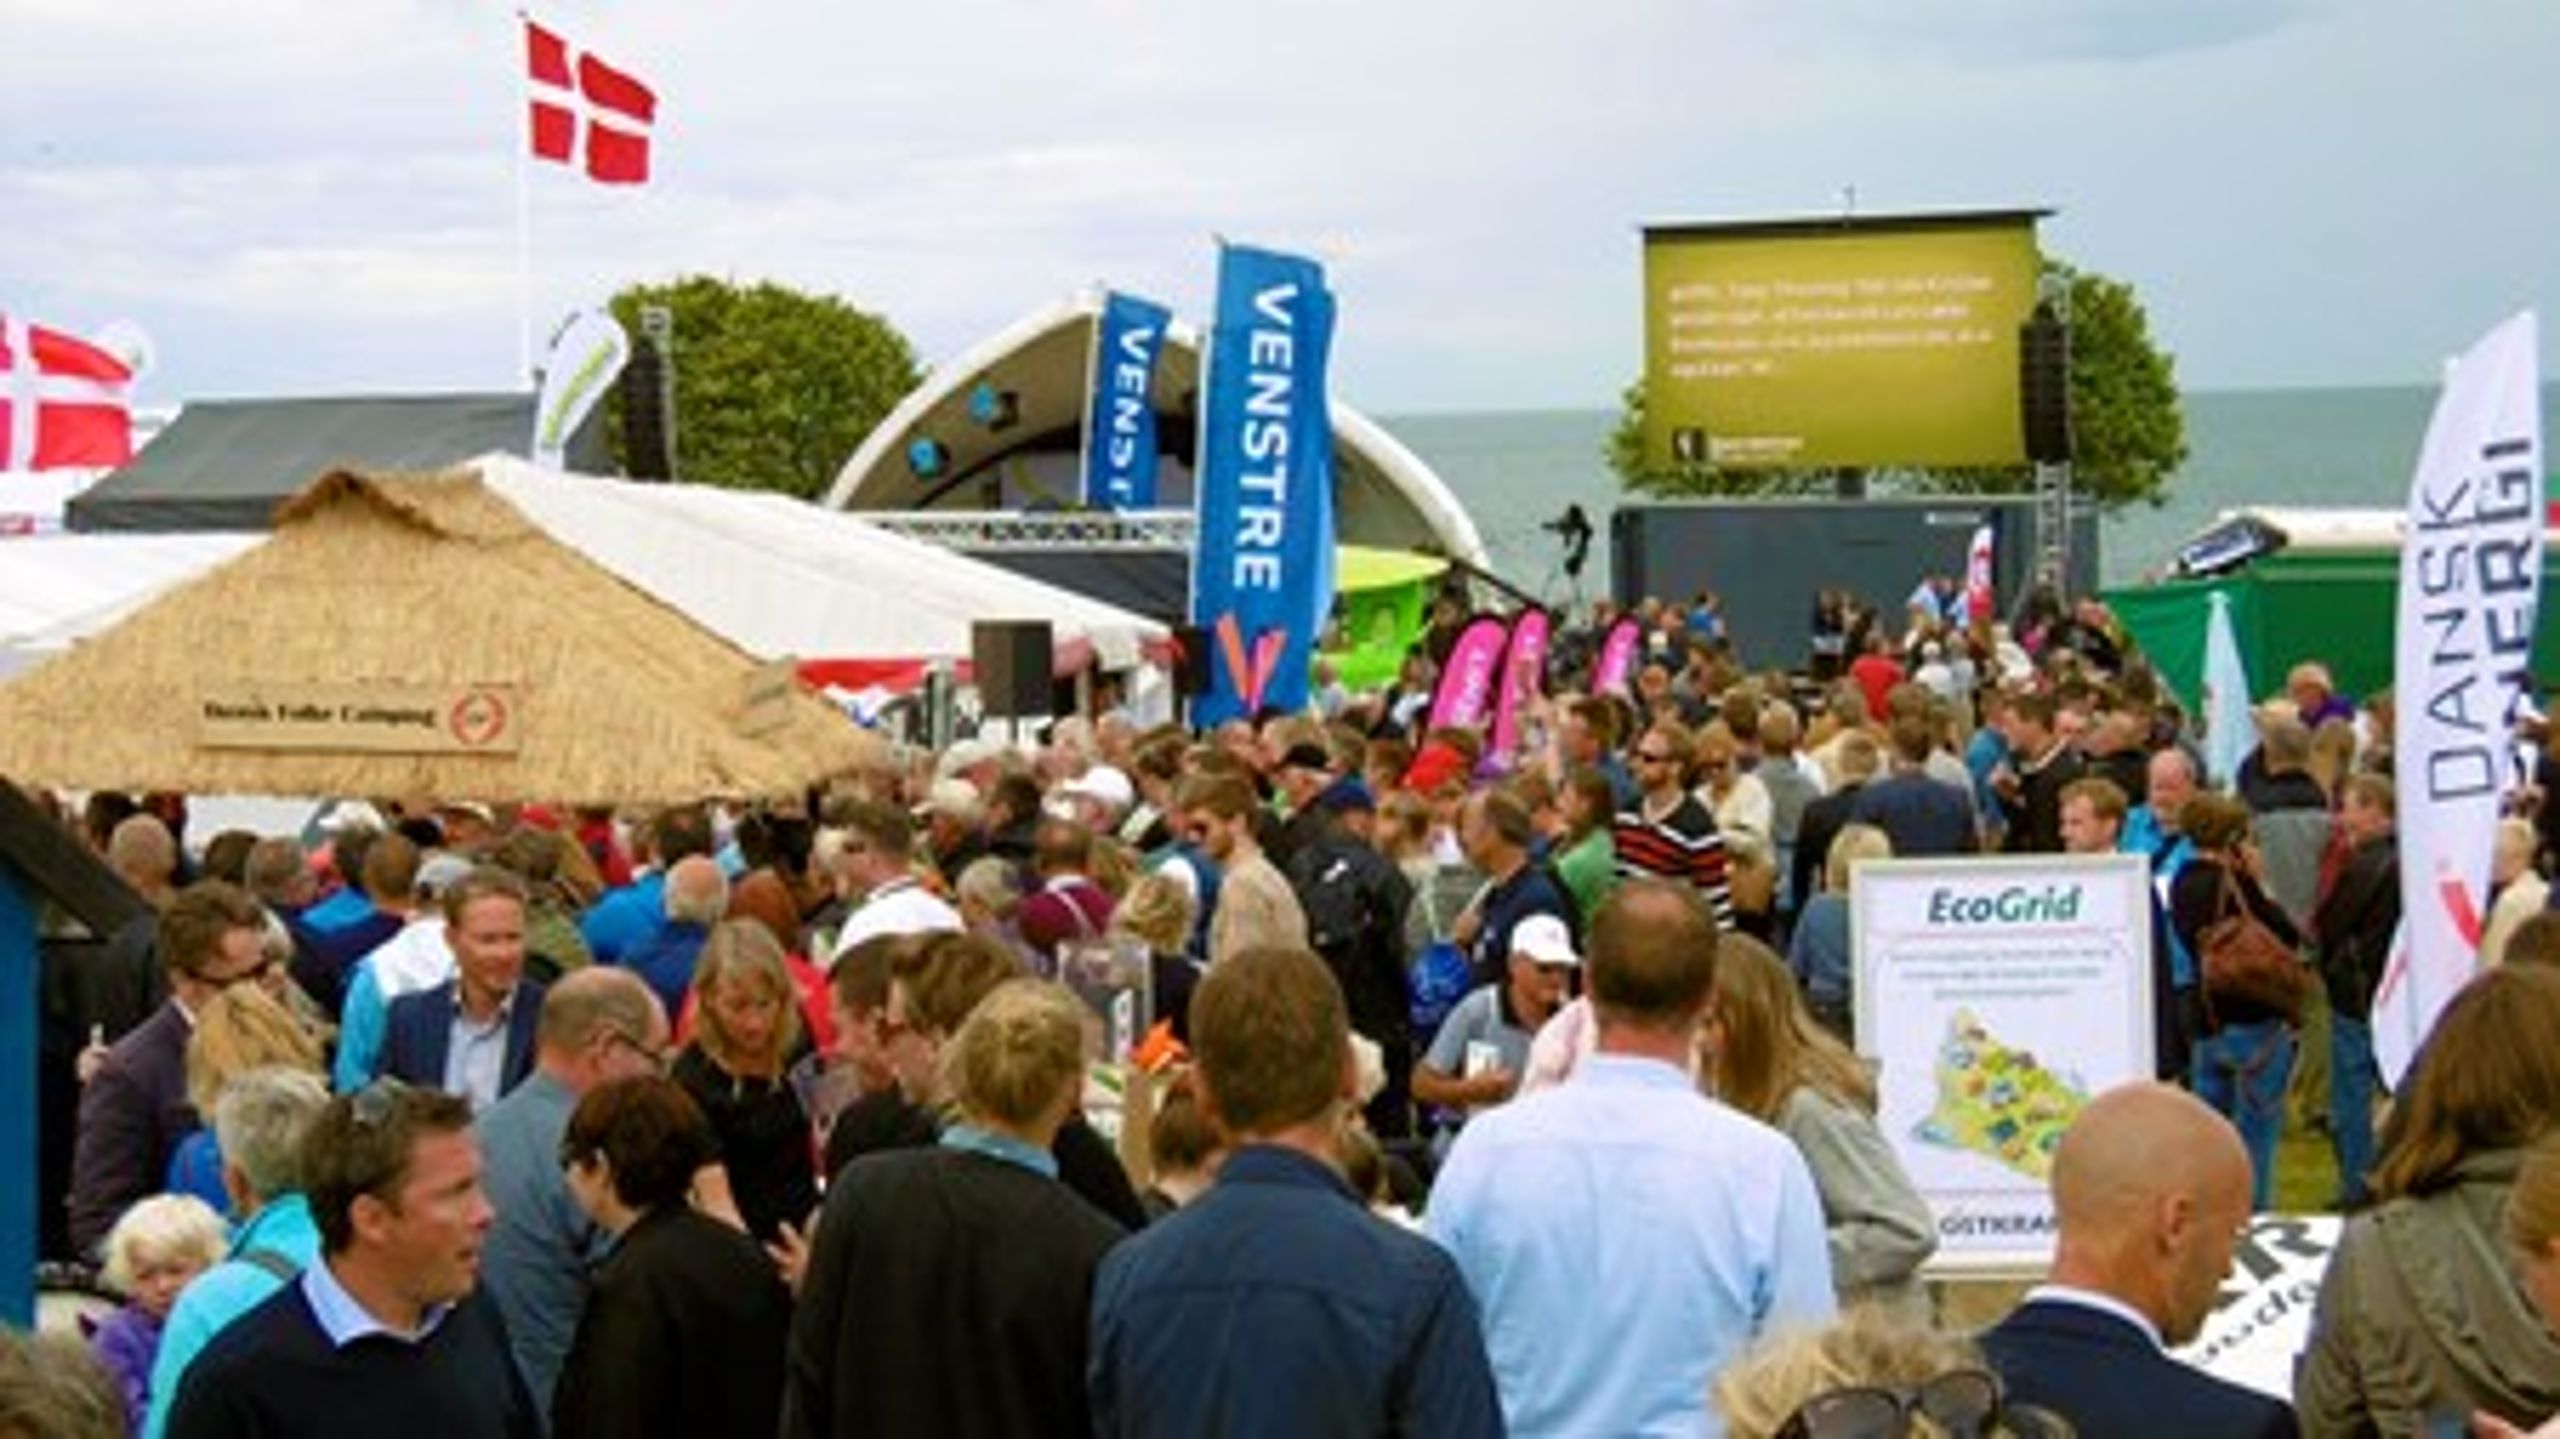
1626,1238
539,1261
345,1320
283,1227
475,1056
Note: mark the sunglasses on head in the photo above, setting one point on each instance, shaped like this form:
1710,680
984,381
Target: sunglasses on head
1965,1403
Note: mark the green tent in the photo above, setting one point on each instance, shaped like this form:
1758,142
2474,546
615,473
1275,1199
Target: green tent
1383,594
2336,606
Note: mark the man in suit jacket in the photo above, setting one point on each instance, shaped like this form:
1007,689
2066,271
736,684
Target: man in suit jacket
2150,1189
134,1110
472,1035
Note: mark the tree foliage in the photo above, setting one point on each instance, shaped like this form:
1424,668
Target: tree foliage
2129,434
774,387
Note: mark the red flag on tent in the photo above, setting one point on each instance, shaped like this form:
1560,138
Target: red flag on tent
63,401
586,111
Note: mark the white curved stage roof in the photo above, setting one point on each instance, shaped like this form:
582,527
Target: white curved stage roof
1384,494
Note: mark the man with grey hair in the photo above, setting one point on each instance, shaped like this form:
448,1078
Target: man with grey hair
260,1121
696,898
598,1024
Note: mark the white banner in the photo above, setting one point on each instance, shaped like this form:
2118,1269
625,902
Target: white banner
1997,997
2229,733
1980,606
587,356
2470,582
2261,1320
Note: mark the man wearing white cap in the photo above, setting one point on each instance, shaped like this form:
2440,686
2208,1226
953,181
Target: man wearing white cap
1098,797
1476,1060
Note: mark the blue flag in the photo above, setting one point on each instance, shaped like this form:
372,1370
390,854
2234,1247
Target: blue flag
1262,566
1120,413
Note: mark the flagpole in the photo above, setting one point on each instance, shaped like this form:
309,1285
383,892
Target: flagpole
524,215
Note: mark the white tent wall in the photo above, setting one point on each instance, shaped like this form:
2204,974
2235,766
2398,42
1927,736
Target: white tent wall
56,587
779,576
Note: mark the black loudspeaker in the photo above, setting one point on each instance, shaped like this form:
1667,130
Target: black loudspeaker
1012,659
2044,388
646,455
1192,659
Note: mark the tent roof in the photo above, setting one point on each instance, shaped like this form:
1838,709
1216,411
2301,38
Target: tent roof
416,592
1359,567
227,464
778,576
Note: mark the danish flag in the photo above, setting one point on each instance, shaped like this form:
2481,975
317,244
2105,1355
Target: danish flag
586,111
64,402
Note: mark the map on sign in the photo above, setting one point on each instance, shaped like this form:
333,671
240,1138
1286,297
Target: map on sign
1997,1101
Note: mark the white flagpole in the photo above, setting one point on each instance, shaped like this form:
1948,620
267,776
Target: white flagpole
524,211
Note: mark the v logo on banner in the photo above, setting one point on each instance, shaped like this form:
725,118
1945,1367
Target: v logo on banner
1253,676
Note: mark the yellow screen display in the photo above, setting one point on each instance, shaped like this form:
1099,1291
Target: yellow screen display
1857,343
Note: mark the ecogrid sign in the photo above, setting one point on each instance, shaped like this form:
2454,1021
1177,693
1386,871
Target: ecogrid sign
1997,997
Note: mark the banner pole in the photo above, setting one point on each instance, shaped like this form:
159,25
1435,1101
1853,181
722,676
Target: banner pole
524,217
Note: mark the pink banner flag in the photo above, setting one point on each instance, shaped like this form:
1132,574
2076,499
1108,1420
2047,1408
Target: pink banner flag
1617,667
1464,699
1524,678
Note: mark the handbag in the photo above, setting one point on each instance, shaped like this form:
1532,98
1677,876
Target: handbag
2246,962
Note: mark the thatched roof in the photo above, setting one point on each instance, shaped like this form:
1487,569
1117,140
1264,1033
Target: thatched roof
393,616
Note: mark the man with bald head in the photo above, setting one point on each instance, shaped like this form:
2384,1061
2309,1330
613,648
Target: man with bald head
2150,1190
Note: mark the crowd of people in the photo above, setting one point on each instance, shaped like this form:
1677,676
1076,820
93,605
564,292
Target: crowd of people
1477,1092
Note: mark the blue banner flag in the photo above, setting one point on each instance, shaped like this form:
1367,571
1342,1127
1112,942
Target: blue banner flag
1262,566
1120,413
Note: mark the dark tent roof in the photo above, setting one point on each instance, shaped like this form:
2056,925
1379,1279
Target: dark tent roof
227,464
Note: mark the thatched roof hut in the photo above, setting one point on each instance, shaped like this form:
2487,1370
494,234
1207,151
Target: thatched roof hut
417,634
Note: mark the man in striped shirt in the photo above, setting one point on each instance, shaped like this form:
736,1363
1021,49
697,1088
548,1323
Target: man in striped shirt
1670,834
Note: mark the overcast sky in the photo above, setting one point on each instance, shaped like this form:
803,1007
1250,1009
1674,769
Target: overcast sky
319,196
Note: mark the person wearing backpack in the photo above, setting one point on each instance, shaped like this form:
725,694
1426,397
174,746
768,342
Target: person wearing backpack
1355,901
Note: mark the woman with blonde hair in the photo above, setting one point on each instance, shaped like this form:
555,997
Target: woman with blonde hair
240,1029
2419,1314
1158,913
746,1034
1870,1375
1818,952
1762,1053
949,1287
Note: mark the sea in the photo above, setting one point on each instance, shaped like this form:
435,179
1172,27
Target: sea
1515,470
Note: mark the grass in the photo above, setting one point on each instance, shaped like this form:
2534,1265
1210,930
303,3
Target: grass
2306,1171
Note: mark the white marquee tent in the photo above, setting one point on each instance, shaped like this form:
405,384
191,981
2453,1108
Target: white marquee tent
856,605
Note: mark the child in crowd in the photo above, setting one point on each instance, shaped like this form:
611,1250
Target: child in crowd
159,1244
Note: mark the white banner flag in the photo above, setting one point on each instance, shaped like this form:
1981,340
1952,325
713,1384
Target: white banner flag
2229,734
1977,578
587,356
2470,581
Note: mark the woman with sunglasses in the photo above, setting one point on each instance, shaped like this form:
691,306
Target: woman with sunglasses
683,1334
1761,1052
1869,1377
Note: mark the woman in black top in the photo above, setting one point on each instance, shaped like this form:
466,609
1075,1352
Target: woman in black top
683,1335
746,1017
949,1287
2244,1060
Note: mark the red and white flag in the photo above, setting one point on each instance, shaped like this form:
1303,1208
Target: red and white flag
64,403
586,112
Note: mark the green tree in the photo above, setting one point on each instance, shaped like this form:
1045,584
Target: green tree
774,388
2128,433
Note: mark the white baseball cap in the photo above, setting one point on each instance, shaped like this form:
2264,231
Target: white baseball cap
1544,939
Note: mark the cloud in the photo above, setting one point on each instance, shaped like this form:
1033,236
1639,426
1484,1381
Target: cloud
2010,32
